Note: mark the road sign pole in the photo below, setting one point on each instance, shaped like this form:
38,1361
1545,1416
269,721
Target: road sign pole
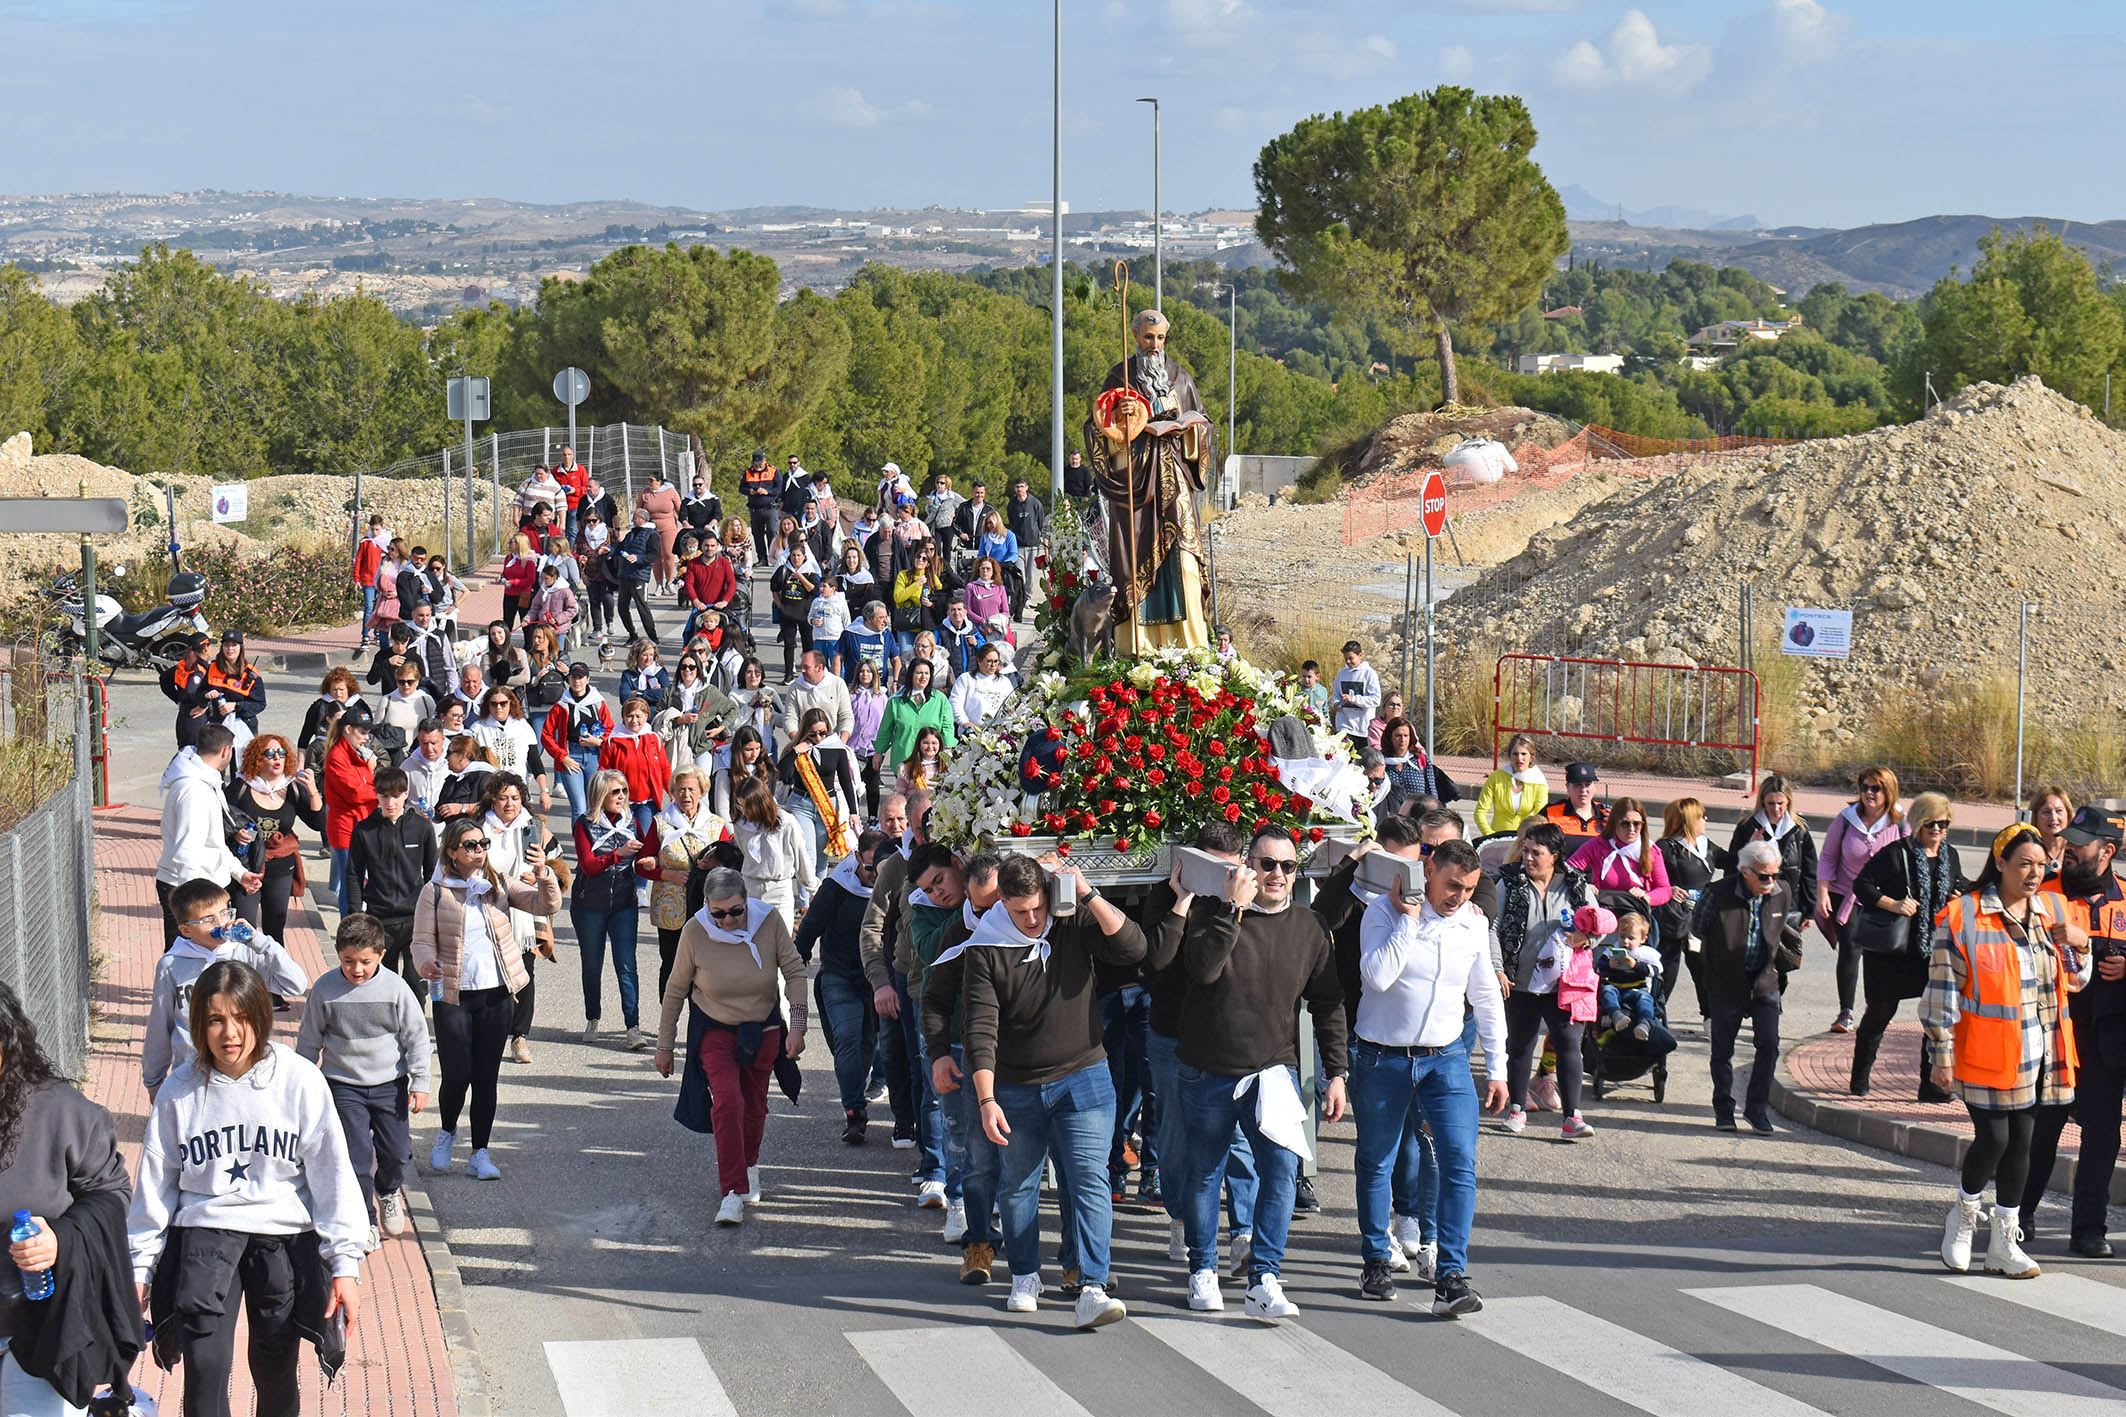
1429,679
470,561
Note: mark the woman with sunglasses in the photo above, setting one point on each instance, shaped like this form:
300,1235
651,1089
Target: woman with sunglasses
1871,822
740,970
1915,879
349,787
511,741
512,833
1622,865
603,905
819,783
462,941
273,800
2006,955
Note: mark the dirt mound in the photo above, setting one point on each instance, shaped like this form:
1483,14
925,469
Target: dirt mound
1415,441
1930,533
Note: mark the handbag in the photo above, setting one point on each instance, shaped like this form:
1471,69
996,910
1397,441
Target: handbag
1875,931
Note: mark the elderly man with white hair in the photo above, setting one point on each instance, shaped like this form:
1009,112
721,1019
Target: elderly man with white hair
1751,941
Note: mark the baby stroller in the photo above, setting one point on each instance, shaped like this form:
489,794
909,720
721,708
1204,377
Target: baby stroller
1611,1056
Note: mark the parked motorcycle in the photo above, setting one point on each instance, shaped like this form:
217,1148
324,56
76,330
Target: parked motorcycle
154,639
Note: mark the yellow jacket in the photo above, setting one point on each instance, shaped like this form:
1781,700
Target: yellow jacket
1503,804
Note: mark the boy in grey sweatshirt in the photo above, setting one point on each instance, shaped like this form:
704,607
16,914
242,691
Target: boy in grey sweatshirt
363,1027
201,908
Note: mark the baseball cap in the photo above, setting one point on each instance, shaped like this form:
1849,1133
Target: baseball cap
2095,824
199,640
232,637
579,671
1580,774
356,715
892,467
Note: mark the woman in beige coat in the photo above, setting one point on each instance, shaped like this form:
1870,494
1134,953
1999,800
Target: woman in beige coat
476,971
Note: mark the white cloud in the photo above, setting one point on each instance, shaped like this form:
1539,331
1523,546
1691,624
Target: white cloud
1456,63
845,107
1805,31
1198,16
1635,59
1523,7
1341,59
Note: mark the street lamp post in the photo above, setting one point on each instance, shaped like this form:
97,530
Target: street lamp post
1055,279
1158,224
1232,365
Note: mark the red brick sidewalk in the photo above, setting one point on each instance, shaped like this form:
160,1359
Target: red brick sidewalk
397,1362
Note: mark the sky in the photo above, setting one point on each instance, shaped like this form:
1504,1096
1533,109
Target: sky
1805,112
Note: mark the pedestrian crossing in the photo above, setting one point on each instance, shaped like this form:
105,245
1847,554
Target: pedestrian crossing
1917,1343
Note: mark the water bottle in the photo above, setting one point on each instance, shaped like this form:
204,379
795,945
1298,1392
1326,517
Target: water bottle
236,930
36,1283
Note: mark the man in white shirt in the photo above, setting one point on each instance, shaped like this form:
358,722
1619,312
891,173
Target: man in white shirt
1420,960
195,818
1354,694
816,688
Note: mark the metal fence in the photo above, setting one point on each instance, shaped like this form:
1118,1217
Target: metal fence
623,455
47,858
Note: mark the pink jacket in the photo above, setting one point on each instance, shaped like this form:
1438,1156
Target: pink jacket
1578,986
1608,871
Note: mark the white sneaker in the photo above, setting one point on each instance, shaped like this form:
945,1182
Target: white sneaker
1543,1095
1516,1120
2005,1255
1203,1295
1243,1255
732,1211
1398,1262
638,1041
1957,1230
373,1243
1266,1300
1177,1241
931,1195
439,1154
483,1168
1096,1309
1025,1294
1426,1262
752,1196
391,1210
590,1031
955,1222
1403,1230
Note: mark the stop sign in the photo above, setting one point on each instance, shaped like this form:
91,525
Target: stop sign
1432,503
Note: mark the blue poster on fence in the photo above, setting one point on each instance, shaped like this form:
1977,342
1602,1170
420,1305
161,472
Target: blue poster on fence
1820,634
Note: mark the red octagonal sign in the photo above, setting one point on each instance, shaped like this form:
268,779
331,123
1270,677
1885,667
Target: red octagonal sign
1432,503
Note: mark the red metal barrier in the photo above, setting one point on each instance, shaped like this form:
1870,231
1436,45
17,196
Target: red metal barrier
1625,701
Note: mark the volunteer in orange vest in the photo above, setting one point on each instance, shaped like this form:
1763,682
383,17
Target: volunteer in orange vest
763,489
2096,901
1580,816
2006,954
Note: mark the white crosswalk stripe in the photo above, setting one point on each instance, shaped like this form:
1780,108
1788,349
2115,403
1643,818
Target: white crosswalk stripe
1628,1366
1960,1366
923,1368
2072,1297
1287,1371
637,1377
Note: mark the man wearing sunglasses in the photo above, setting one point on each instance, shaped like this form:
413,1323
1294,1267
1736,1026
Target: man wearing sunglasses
1251,960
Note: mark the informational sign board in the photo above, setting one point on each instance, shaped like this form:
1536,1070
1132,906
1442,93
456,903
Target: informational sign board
1819,634
466,398
232,502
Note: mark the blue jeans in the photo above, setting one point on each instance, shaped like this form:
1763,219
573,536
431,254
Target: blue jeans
368,611
338,884
1172,1127
972,1161
572,785
1390,1095
1071,1119
1125,1022
929,1122
1212,1111
645,814
594,928
1637,1002
851,1025
950,1169
22,1395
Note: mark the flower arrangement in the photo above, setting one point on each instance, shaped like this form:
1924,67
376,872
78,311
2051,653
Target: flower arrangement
1133,753
1069,550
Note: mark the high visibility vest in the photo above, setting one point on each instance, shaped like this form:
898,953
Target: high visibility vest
1989,1020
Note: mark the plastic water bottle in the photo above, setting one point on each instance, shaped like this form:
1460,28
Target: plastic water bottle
236,930
36,1283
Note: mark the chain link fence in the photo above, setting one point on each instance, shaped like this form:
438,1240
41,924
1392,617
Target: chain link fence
47,853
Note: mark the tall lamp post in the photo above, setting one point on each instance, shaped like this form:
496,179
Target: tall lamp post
1158,225
1055,279
1232,365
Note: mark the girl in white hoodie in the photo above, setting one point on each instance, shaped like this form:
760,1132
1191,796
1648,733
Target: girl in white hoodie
245,1189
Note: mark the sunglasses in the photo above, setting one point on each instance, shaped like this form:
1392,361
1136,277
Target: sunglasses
473,844
737,914
1632,822
274,753
1272,863
1942,825
1870,787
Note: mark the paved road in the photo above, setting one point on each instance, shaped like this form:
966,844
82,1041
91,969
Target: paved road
1658,1267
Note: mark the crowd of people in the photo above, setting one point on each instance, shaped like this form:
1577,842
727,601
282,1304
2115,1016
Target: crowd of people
1010,1015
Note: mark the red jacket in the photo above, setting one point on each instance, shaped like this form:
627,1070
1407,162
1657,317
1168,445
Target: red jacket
709,581
553,734
520,575
350,794
642,761
367,558
575,481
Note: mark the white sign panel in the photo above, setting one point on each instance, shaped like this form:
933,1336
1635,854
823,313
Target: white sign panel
232,502
1820,634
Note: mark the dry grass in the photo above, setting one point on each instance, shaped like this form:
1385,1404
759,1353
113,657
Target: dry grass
31,771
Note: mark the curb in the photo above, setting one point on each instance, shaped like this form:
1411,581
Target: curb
1941,1146
449,1287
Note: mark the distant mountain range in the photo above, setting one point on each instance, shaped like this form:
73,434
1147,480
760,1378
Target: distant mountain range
1583,205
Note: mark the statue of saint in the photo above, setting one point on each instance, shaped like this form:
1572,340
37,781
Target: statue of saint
1152,447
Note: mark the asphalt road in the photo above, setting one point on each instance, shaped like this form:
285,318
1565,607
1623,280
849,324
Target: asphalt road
1658,1266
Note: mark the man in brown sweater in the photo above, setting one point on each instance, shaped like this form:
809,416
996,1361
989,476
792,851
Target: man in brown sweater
1037,1068
1251,960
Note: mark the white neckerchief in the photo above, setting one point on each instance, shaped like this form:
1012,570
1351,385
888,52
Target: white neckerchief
757,913
679,824
382,539
689,694
997,929
969,916
1532,776
591,699
1277,1110
621,731
607,832
597,536
907,843
1852,818
1786,824
844,875
1395,762
1631,864
919,896
1699,846
269,785
475,888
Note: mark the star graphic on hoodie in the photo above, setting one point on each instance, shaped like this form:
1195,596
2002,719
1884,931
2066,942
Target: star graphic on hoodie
239,1171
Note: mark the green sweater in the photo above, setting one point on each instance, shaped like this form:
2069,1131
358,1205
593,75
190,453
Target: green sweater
903,719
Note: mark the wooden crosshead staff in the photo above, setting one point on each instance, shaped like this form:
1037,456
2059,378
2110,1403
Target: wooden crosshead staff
1129,463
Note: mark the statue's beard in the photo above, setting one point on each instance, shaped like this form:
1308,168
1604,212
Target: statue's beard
1150,373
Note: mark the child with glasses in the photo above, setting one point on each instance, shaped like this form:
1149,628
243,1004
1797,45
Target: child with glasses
204,936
